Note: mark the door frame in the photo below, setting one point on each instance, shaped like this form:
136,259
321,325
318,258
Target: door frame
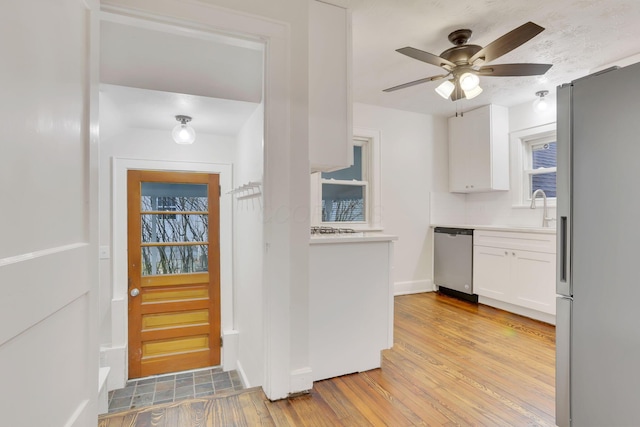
285,187
120,318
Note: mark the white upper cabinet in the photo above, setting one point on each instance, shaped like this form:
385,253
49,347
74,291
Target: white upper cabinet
479,150
330,128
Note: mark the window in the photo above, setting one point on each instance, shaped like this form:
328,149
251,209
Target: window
350,197
344,192
540,167
534,163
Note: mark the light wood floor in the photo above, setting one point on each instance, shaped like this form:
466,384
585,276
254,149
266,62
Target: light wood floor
453,364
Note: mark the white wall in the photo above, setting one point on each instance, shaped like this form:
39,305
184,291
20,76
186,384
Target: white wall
411,165
247,250
494,208
48,185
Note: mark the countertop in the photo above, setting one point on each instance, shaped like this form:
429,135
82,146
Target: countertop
514,228
359,237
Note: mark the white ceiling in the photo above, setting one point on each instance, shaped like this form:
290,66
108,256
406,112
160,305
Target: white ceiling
149,75
579,36
152,109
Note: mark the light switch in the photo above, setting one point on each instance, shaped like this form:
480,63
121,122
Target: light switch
104,252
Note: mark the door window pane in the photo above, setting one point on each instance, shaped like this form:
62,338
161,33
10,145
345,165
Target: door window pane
162,196
174,259
174,228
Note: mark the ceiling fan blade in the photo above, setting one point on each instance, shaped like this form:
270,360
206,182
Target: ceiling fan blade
513,70
416,82
427,57
507,42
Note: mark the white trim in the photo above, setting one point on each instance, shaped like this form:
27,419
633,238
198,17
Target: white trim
243,376
413,287
115,358
120,166
77,415
230,342
517,141
301,380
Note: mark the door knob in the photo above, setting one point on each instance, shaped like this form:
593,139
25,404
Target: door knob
134,292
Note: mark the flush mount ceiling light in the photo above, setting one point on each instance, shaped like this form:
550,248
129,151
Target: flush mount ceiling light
183,133
541,104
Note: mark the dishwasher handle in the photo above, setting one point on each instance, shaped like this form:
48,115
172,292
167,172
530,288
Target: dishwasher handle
453,232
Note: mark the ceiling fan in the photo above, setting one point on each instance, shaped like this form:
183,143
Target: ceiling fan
465,62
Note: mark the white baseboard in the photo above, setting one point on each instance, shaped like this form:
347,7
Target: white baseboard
230,341
522,311
243,375
103,395
115,358
413,287
301,380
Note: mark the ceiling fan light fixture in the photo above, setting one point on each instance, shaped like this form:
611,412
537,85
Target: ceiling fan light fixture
469,81
541,104
183,133
445,89
472,93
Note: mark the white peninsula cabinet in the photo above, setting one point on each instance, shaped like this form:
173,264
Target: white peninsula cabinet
479,150
330,106
516,272
350,302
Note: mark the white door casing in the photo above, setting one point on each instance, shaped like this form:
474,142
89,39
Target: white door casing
48,186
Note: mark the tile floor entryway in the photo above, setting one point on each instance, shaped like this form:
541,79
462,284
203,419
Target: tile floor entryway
172,388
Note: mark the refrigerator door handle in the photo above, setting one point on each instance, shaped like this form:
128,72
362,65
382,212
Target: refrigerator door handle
563,249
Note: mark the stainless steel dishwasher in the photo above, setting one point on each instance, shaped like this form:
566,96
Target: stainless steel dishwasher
453,262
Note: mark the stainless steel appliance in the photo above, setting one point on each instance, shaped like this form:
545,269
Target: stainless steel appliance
598,320
453,261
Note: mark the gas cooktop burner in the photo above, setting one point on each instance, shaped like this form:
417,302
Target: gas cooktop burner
331,230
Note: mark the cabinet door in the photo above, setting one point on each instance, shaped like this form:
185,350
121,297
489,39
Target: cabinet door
470,151
330,128
533,280
491,273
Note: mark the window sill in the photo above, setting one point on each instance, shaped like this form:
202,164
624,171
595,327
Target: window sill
353,226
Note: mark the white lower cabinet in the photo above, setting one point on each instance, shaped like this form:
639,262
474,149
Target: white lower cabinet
491,272
516,268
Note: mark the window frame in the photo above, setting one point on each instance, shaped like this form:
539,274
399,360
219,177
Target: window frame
364,183
369,140
522,143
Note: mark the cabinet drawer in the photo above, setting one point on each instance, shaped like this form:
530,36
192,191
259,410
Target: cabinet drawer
536,242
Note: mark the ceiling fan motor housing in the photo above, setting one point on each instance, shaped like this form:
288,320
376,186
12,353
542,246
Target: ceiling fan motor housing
460,55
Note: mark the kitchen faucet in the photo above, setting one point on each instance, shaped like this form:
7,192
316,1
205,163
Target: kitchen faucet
545,218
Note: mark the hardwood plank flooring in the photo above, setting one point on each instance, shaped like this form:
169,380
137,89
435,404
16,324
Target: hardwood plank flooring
453,363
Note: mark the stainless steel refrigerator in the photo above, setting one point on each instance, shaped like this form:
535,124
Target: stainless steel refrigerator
598,283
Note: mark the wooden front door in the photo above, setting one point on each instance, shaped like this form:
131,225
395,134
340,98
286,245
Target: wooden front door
174,271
